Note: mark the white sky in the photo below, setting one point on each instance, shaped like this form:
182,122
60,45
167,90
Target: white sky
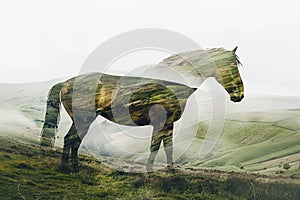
42,40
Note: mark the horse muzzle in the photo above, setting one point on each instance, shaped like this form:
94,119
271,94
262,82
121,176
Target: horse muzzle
237,98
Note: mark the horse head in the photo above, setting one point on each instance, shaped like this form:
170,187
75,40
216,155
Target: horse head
227,74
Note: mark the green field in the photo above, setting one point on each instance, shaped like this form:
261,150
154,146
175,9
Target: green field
258,142
29,172
257,156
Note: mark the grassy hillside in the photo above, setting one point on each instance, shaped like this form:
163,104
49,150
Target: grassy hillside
257,141
252,141
27,173
260,135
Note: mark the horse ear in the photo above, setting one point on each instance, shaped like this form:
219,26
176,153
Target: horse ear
234,50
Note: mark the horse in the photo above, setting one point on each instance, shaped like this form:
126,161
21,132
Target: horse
137,101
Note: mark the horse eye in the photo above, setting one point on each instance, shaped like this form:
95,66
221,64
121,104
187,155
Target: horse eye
230,90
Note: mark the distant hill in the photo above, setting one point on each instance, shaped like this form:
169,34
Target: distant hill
256,141
261,134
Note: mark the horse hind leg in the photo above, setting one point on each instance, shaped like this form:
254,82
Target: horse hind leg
74,153
68,142
81,131
72,143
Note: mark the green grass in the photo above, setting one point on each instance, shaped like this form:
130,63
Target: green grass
256,142
28,172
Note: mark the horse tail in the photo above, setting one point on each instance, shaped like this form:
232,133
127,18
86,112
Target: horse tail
52,116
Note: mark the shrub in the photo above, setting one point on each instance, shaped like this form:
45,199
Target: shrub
286,166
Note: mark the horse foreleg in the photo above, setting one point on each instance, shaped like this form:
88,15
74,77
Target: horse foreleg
154,147
168,146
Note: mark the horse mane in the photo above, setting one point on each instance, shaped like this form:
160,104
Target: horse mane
224,51
202,56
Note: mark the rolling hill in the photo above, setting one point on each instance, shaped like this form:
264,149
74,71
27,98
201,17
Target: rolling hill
257,154
260,134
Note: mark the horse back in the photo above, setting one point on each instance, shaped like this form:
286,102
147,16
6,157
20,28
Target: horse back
123,99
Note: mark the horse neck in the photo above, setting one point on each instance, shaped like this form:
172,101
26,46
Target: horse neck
204,72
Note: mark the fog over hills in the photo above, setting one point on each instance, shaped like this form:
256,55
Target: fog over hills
22,108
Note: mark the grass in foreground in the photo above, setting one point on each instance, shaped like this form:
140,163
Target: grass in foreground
25,174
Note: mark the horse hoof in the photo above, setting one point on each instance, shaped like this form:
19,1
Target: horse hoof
149,169
63,168
170,169
75,169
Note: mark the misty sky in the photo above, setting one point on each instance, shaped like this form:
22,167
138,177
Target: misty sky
41,41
